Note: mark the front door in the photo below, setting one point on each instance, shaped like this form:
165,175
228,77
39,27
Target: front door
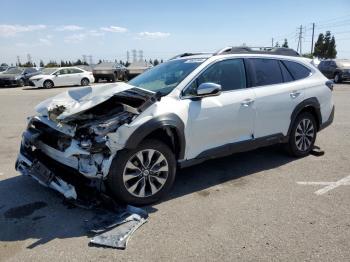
219,120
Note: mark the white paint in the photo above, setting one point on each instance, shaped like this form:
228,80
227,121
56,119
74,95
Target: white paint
328,185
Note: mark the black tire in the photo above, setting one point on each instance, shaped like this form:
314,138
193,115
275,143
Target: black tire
125,77
301,145
21,82
85,82
337,78
115,179
48,84
97,79
114,77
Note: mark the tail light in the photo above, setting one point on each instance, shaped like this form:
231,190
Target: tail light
329,84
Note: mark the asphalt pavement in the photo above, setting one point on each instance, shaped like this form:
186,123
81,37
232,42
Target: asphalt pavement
256,206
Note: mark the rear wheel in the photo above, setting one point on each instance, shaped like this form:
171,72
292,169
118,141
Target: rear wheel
143,175
48,84
114,77
337,78
85,82
303,135
20,82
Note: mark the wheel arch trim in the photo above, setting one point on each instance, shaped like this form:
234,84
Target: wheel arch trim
164,121
309,102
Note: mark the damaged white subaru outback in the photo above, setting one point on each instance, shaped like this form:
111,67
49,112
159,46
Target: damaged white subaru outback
129,138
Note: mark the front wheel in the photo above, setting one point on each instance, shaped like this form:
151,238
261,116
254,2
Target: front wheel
48,84
303,135
143,175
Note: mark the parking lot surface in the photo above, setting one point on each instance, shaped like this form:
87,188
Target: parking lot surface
260,205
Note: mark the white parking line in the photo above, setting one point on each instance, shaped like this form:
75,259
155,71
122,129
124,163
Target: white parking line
328,185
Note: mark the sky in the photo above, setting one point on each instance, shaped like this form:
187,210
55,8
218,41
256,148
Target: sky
106,29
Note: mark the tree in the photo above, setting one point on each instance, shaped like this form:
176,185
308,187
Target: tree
99,61
285,44
52,63
325,46
161,61
319,46
277,44
42,63
155,62
63,63
331,51
127,63
150,61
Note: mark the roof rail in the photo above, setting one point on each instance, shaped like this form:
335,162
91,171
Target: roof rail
188,54
257,50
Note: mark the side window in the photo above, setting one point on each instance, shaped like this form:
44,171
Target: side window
287,77
75,71
230,74
267,71
297,70
63,72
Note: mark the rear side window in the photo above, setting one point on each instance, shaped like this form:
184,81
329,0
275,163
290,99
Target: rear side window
267,71
287,77
297,70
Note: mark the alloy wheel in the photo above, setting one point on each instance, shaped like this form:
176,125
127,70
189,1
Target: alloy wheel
304,134
145,173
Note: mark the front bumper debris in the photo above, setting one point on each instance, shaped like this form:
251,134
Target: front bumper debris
37,170
117,233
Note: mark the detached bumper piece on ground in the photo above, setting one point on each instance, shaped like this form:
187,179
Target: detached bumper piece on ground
117,234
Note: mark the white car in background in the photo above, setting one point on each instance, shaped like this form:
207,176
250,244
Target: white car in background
63,76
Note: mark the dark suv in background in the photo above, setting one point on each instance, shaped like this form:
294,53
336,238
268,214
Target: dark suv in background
17,76
110,71
339,69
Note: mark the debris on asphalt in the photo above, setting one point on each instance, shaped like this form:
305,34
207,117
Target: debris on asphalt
118,233
317,151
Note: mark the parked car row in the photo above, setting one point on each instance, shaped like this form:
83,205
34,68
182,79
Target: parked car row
337,69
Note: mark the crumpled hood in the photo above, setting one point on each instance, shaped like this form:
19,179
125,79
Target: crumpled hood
78,100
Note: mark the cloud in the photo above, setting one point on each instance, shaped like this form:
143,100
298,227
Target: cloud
69,28
76,38
73,39
45,41
13,30
152,35
114,29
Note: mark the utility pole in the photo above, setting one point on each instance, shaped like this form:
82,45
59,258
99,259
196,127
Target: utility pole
312,40
300,39
272,42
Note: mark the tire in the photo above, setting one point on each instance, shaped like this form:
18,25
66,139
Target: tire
337,78
125,77
85,82
97,79
48,84
21,83
114,77
126,177
303,135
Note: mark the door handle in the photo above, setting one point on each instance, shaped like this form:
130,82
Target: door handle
294,94
247,102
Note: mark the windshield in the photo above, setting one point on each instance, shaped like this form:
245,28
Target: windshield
165,77
48,71
14,71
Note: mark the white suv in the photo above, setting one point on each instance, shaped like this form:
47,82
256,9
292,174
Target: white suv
129,138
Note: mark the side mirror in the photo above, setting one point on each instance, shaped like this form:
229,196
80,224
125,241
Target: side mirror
209,89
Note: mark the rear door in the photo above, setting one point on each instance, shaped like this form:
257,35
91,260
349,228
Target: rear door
76,75
277,94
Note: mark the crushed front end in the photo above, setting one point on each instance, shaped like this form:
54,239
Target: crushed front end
70,153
